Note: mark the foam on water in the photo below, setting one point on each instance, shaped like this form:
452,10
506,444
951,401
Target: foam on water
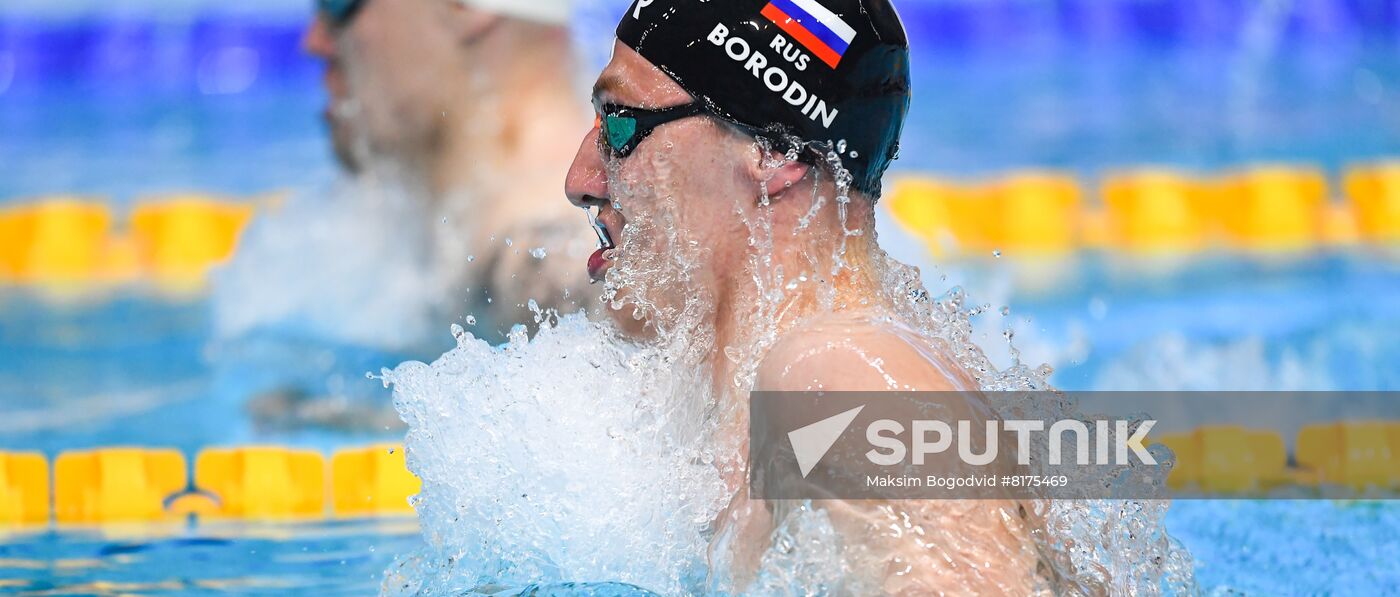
561,458
590,454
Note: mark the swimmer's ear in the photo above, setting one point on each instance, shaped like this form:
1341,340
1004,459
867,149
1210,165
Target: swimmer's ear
471,24
780,175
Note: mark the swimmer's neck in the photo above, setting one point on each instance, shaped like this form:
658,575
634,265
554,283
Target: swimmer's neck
741,316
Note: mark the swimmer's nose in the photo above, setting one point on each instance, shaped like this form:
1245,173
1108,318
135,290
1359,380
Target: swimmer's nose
318,41
587,182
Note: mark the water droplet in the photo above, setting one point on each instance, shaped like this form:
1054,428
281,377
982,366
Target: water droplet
538,253
471,320
1005,311
996,253
733,354
458,332
471,258
510,243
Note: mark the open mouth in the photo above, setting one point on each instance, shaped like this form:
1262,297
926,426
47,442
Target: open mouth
599,261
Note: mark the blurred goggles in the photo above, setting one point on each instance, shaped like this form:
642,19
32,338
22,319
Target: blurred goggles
340,12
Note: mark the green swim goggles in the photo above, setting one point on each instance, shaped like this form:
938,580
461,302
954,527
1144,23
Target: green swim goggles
340,12
623,128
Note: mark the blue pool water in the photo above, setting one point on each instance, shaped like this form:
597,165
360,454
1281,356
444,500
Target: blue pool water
1241,548
339,558
1006,85
1291,548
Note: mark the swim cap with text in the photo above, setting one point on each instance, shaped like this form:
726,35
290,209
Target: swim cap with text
824,71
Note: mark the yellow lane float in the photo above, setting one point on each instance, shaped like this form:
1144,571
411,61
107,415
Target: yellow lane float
59,241
1227,459
67,243
126,485
263,482
16,234
1359,455
1036,213
933,211
1029,212
24,489
372,481
116,485
1156,211
1273,208
179,239
1374,193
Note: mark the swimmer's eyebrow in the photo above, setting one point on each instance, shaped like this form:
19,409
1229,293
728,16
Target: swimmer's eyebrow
607,86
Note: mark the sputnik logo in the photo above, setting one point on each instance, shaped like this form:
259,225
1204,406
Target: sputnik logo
811,443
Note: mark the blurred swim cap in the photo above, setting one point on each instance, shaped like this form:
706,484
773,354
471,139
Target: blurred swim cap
822,70
553,12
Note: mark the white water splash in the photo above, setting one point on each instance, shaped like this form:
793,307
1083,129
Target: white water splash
562,458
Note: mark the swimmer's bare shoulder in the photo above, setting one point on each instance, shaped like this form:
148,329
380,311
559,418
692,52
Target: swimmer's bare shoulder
988,548
854,352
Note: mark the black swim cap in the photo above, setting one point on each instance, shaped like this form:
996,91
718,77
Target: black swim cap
822,70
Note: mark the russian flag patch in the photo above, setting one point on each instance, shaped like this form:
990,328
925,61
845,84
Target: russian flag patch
819,30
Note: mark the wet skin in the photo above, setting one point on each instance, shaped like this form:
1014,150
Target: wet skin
715,181
667,168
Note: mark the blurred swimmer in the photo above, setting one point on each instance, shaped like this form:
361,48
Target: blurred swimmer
734,174
448,116
463,101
